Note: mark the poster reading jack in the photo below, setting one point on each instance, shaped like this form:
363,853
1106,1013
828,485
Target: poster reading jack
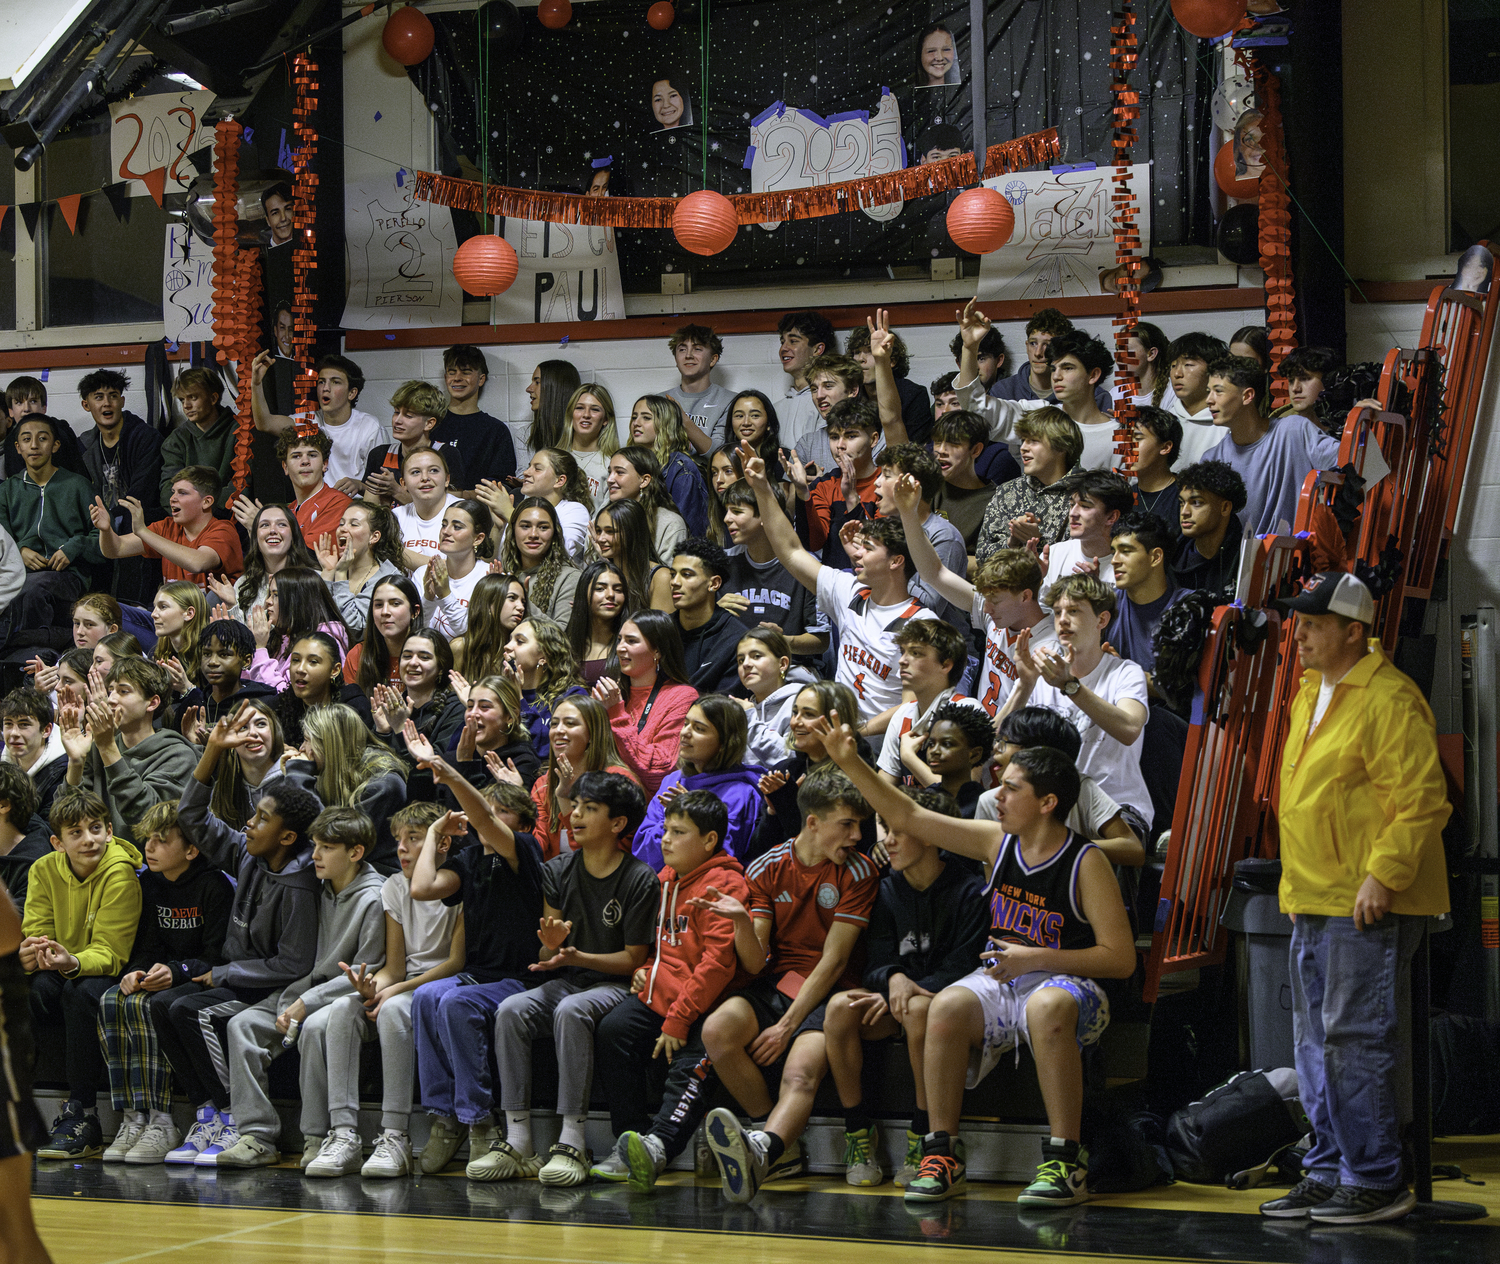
400,258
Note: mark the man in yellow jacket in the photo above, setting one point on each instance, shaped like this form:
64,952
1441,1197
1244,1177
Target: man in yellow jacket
1361,811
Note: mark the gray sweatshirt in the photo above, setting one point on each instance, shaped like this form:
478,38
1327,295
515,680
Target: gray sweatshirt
351,927
152,772
770,720
12,570
355,607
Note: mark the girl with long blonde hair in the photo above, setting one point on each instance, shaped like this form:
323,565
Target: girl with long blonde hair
351,769
656,423
592,435
179,615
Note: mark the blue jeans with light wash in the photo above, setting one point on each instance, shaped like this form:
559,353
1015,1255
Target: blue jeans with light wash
453,1023
1351,1021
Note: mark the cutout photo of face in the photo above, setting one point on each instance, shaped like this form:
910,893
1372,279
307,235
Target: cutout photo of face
1249,146
939,141
937,59
670,106
1475,270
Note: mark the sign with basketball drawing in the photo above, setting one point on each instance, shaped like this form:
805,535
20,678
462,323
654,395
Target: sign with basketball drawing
158,132
400,258
187,287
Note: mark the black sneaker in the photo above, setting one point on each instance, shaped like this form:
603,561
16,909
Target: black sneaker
75,1135
1298,1201
1353,1204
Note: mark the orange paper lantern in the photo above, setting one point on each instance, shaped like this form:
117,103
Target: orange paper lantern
660,15
554,14
485,265
408,36
980,221
705,222
1208,19
1248,189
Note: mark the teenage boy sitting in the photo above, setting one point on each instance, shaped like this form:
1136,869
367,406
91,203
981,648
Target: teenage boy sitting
82,905
710,636
226,650
499,887
958,441
416,410
272,940
23,397
598,906
1304,370
926,929
908,460
192,544
992,357
804,336
34,743
485,442
844,492
316,506
1057,923
1034,507
122,455
868,607
695,964
185,909
1158,440
1002,600
951,755
351,433
1080,367
424,942
25,837
759,590
810,901
933,655
1210,496
206,436
944,397
45,510
1188,359
1273,458
1001,414
916,411
1097,500
833,379
121,756
1144,587
696,349
1102,695
1033,378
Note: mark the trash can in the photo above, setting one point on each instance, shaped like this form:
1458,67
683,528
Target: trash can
1265,970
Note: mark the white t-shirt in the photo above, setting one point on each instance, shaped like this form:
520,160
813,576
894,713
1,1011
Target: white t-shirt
1063,560
420,535
575,524
595,467
1093,811
1098,446
1199,433
351,444
903,722
798,415
426,925
997,671
868,653
450,614
1117,768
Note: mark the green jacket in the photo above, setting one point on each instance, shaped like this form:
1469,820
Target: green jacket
52,517
95,919
188,445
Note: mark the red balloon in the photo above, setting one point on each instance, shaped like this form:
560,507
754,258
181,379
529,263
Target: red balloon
1249,190
980,221
554,14
1208,19
408,36
660,15
705,222
485,265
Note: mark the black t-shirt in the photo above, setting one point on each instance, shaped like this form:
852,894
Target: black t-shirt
502,907
607,913
388,456
964,507
774,596
484,443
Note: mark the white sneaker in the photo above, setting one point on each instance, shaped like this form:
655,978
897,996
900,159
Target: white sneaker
155,1143
392,1155
311,1148
442,1143
129,1134
200,1137
247,1151
340,1154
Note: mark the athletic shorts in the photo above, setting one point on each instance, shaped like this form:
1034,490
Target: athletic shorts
21,1127
769,1004
1004,1006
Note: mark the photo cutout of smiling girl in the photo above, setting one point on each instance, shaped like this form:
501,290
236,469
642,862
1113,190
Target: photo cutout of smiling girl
937,58
671,106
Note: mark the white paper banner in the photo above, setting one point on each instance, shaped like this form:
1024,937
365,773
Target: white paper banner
400,258
1064,233
158,131
187,286
569,272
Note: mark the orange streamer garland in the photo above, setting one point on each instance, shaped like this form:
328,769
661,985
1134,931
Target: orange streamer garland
1123,55
1276,233
304,236
236,293
1034,150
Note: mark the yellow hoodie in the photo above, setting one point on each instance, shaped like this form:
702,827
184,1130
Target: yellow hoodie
1364,794
94,919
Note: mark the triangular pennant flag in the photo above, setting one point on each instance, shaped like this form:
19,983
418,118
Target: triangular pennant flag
30,212
156,182
119,199
68,205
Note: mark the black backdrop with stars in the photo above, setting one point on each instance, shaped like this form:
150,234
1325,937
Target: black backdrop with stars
559,100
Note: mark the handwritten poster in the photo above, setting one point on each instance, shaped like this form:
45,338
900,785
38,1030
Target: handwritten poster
569,272
400,258
1064,233
187,286
793,148
163,130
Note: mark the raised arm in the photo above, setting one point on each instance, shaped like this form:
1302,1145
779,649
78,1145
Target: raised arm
492,831
196,558
1122,720
948,585
110,544
887,397
265,419
779,532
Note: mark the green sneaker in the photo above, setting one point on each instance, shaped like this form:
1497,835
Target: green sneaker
646,1159
1061,1178
941,1173
861,1157
907,1172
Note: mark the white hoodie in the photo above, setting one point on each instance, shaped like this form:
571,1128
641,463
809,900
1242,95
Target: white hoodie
771,719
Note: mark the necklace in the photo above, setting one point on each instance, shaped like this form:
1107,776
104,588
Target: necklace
1151,500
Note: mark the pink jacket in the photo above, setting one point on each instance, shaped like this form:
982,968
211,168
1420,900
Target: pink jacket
276,672
652,748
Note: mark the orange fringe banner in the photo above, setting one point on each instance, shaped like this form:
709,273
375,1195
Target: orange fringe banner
235,308
1036,150
304,238
1123,55
1276,233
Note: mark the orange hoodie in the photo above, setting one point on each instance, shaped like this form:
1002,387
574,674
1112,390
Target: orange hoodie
695,957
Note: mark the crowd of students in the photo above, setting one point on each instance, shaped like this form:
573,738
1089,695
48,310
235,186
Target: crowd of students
783,728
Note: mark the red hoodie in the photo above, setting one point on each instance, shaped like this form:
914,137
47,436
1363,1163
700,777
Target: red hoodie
695,957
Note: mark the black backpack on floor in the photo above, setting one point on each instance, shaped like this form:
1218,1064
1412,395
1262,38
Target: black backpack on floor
1238,1130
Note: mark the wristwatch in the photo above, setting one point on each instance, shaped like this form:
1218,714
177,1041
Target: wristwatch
1071,686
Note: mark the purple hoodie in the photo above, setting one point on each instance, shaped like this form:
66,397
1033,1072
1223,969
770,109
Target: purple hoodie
738,787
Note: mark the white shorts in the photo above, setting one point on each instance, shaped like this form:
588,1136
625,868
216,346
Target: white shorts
1004,1006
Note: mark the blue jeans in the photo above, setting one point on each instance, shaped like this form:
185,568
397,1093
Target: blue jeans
1351,1020
453,1027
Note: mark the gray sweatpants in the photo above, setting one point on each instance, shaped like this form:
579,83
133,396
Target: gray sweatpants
330,1065
254,1043
573,1010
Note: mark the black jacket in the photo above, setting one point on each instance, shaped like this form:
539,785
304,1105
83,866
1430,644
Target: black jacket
184,923
140,467
933,937
439,720
710,653
48,780
201,697
15,865
1220,573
